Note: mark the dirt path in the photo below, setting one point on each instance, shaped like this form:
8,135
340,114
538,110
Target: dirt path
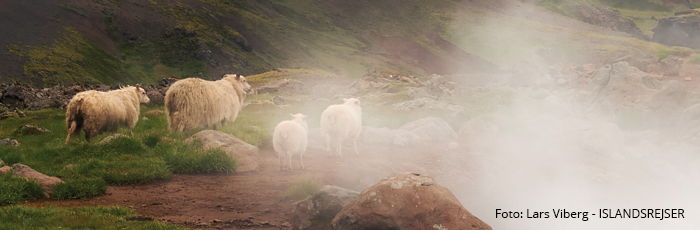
256,200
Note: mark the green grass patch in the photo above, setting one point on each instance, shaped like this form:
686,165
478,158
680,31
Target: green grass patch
22,217
302,189
695,59
151,154
16,189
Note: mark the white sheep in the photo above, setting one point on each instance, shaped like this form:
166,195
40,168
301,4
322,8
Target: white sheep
342,122
97,112
194,102
290,138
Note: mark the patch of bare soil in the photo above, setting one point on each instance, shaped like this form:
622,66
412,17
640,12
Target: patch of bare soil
257,200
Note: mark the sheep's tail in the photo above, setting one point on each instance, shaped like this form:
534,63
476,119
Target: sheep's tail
74,117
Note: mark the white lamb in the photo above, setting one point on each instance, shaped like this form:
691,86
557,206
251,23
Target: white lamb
290,138
342,122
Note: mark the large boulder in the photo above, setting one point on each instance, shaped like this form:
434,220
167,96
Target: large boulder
317,211
621,85
431,129
609,19
246,155
678,31
48,182
406,201
5,169
671,65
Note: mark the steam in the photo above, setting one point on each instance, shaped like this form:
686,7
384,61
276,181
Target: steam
555,151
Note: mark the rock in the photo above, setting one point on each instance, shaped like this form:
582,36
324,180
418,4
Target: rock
156,97
431,129
277,100
688,79
609,19
29,130
439,85
671,65
5,169
428,103
166,82
12,113
48,182
112,137
246,155
622,86
389,137
283,87
7,141
406,201
678,31
672,97
317,211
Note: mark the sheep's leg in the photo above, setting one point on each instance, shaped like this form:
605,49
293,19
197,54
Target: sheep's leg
328,144
131,134
71,130
279,156
339,150
290,160
301,160
214,126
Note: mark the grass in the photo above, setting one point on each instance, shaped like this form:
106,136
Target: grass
15,189
302,189
695,59
22,217
87,168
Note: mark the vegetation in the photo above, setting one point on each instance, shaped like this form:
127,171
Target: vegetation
302,189
87,168
22,217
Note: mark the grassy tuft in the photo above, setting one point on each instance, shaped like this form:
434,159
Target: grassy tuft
302,189
79,188
16,189
190,158
22,217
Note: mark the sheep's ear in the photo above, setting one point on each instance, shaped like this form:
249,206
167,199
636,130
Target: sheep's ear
238,77
138,86
305,115
345,100
357,102
292,115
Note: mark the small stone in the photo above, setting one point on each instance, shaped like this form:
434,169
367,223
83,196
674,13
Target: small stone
688,79
5,169
216,221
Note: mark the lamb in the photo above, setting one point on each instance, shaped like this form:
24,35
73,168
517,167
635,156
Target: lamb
97,112
342,122
194,102
290,138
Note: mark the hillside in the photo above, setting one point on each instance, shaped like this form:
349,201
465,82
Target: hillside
130,41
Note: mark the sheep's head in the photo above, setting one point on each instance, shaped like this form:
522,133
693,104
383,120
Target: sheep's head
353,102
299,118
240,80
143,98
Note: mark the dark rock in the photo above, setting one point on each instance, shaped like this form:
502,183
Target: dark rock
406,201
166,82
155,96
678,31
609,19
317,211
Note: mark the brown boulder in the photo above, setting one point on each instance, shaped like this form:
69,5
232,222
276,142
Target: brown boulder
48,182
406,201
5,169
246,155
317,211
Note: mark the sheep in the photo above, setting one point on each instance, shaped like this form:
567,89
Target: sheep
290,138
97,112
342,122
194,102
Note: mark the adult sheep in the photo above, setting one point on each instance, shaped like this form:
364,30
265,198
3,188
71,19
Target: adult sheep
290,138
97,112
342,122
194,102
